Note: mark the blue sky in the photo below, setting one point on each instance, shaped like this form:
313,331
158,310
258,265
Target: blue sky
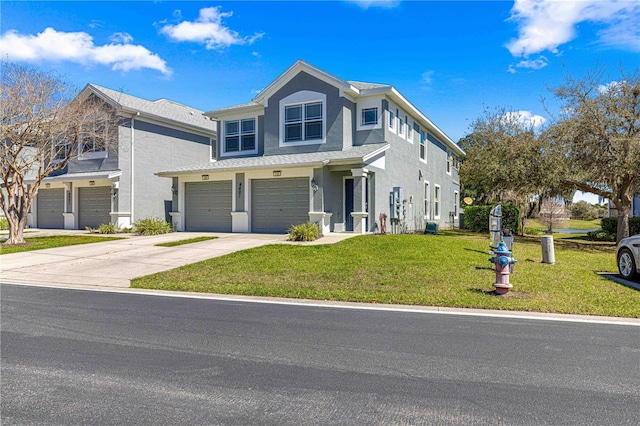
450,59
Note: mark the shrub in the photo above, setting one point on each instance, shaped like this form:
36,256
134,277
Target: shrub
610,225
601,235
304,232
107,228
4,224
476,218
152,226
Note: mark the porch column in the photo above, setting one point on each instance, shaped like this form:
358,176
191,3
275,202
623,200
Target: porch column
317,214
359,213
69,215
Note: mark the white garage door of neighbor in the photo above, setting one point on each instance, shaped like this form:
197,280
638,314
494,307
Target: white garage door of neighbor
50,208
94,206
208,206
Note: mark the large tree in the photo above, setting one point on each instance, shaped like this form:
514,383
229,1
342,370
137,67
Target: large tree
507,161
599,133
43,126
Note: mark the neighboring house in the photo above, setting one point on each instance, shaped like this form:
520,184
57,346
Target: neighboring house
314,147
117,184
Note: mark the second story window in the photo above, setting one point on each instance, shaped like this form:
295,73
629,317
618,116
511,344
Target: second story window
303,122
369,116
391,122
240,135
423,146
94,140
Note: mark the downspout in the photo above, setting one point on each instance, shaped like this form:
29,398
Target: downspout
132,194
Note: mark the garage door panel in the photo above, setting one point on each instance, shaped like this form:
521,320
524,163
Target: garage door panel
277,204
94,206
50,208
208,206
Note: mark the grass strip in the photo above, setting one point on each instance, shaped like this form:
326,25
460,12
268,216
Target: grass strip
187,241
450,269
39,243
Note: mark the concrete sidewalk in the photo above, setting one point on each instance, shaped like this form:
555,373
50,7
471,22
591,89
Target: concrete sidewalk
115,263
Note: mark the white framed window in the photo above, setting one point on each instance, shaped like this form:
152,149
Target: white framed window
436,201
303,122
449,162
369,116
409,130
423,147
427,200
456,204
94,141
303,119
392,123
240,136
400,127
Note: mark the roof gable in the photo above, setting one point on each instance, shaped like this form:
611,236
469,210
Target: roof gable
160,109
295,69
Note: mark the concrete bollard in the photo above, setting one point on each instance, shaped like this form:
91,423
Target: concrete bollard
548,253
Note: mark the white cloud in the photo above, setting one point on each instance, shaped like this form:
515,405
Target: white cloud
526,118
383,4
547,24
78,47
532,64
124,38
427,77
207,29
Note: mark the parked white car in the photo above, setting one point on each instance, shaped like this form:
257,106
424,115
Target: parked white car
629,257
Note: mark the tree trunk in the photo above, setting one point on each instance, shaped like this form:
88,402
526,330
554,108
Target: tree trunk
16,228
624,207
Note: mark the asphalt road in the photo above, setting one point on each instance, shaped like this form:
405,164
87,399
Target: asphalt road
85,357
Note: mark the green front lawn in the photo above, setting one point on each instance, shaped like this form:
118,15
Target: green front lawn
186,241
39,243
450,269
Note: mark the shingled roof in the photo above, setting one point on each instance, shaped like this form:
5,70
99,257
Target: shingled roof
161,108
355,154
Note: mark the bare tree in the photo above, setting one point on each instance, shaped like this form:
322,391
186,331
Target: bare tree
599,133
553,213
43,126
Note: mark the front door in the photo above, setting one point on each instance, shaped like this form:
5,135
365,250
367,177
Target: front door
349,203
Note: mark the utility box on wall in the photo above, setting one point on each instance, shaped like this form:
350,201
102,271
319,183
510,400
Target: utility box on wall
396,203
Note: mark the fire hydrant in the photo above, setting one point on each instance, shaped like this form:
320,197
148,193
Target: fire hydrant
503,261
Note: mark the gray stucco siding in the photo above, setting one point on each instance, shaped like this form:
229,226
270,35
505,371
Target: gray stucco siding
159,148
334,122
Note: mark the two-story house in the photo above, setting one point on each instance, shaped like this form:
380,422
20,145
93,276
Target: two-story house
116,182
314,147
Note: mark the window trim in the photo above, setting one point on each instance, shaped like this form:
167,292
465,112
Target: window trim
392,123
449,162
224,136
422,146
409,129
362,117
426,202
437,193
303,98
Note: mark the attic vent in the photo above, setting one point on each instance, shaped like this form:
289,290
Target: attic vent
191,112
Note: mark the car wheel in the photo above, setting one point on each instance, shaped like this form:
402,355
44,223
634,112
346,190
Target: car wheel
626,264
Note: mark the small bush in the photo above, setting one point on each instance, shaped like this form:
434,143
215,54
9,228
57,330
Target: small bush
152,226
601,235
90,229
4,224
304,232
107,228
476,218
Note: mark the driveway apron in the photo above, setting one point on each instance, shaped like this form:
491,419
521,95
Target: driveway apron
115,263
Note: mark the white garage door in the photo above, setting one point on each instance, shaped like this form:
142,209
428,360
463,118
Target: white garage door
94,206
50,208
276,204
208,206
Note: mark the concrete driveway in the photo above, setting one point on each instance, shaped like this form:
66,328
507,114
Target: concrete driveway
115,263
